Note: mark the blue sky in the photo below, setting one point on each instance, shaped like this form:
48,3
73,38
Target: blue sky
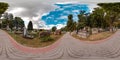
59,14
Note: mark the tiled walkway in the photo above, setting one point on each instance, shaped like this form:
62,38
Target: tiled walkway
67,48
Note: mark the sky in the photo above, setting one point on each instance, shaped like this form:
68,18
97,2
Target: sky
48,13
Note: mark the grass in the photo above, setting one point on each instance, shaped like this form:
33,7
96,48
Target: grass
36,42
95,37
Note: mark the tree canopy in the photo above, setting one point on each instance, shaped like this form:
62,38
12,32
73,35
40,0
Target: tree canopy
54,28
18,22
71,25
3,7
113,7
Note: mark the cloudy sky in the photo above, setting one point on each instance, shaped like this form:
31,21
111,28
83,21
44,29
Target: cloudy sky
49,13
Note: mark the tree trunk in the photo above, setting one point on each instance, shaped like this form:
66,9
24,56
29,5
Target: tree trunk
90,31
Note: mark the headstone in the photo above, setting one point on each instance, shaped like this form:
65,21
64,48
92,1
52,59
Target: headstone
8,28
94,30
25,32
83,34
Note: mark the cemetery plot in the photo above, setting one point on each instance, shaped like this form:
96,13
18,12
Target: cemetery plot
94,37
36,41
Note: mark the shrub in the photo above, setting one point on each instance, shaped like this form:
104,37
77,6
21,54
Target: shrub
46,39
44,34
35,34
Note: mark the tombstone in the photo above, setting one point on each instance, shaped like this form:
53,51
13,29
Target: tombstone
94,30
25,32
57,32
8,28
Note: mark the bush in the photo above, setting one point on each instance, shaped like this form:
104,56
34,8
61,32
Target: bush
46,39
35,34
44,34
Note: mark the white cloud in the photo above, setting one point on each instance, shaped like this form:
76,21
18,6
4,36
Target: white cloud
92,6
75,10
66,2
63,17
17,10
26,20
60,26
48,27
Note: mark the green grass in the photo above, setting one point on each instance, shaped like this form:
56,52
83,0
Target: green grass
36,42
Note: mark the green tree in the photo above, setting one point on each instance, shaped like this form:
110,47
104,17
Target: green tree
98,18
19,23
10,16
54,29
81,21
3,7
11,24
63,29
30,25
70,24
9,20
112,12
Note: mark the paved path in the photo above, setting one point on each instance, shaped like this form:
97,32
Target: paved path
67,48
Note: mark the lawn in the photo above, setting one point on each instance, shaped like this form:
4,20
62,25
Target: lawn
95,37
36,42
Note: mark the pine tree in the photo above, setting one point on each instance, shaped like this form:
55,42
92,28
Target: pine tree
30,26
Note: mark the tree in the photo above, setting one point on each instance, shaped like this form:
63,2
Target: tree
3,8
10,16
19,23
74,25
9,20
5,16
11,24
54,29
70,24
98,18
81,21
63,29
30,25
112,11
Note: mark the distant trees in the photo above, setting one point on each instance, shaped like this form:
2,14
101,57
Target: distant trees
30,25
104,17
54,29
112,11
8,19
10,16
71,25
18,23
81,20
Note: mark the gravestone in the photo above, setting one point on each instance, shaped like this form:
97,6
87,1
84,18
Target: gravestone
25,32
94,30
83,34
8,28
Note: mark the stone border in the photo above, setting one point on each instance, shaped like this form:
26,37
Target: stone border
99,41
